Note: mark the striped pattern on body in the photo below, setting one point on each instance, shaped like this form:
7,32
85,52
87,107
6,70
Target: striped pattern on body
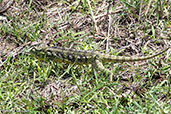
85,57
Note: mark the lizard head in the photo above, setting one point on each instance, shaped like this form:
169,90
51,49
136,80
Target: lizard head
37,49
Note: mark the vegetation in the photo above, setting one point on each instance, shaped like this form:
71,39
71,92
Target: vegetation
117,27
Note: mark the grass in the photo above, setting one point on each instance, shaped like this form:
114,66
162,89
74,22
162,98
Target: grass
28,85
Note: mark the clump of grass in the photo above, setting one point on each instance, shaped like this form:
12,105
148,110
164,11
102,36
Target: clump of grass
117,27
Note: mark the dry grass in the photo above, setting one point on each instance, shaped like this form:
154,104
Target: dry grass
120,27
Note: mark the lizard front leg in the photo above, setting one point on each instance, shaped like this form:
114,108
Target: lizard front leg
100,66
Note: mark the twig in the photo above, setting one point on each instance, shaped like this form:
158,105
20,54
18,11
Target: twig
109,26
93,17
148,7
141,3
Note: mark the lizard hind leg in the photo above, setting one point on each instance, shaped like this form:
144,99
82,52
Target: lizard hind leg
100,66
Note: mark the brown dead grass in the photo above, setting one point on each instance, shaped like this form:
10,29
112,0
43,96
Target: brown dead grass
126,33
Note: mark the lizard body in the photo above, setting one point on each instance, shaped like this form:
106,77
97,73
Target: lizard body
85,57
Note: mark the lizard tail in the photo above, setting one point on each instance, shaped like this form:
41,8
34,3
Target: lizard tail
111,58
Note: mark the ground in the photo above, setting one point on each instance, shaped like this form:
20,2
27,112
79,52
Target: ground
117,27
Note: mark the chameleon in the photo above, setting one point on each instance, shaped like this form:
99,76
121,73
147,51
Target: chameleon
61,54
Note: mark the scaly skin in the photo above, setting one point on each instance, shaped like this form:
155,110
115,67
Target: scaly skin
85,57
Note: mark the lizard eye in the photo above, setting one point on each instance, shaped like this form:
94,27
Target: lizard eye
37,48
